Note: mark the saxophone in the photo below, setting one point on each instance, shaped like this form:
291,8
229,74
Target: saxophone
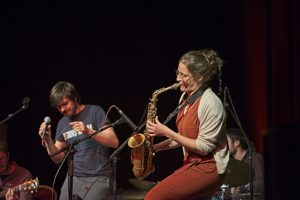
142,143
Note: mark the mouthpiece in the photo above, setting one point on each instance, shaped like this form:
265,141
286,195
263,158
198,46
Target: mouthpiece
175,86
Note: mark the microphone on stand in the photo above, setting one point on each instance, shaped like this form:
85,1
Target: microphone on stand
25,105
117,122
25,102
128,121
47,121
225,103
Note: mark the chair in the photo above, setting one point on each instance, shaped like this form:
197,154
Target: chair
45,192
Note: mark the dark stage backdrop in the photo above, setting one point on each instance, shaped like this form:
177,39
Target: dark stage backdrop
119,53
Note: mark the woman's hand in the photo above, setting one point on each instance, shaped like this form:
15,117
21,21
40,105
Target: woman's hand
156,148
157,128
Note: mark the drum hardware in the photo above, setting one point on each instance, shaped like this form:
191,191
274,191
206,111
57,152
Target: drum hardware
238,173
223,189
142,184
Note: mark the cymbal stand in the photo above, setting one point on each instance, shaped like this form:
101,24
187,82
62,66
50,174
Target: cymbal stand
223,190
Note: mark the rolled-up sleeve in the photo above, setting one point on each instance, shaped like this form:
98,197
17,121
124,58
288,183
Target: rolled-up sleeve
212,120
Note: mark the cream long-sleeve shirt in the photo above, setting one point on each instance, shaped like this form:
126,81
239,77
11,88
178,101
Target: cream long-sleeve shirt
212,129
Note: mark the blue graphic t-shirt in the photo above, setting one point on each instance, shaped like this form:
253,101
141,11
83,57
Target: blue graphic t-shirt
90,158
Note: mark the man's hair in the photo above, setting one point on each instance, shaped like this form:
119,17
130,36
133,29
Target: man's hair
236,134
3,147
63,89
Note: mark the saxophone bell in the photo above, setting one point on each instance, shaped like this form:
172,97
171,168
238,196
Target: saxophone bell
136,140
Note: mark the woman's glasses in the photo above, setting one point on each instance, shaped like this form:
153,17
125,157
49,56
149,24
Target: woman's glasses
181,75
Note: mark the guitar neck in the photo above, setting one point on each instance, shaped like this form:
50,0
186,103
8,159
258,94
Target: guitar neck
15,189
27,186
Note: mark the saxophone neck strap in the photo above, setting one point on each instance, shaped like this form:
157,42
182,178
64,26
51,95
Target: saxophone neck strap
190,100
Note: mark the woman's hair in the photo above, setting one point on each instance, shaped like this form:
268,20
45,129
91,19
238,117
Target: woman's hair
63,89
205,63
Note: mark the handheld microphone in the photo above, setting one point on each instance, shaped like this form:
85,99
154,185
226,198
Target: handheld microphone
47,121
128,121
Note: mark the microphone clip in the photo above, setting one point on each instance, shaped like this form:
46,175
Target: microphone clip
118,122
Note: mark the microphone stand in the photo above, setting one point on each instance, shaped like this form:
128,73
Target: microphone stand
114,158
238,122
24,107
71,151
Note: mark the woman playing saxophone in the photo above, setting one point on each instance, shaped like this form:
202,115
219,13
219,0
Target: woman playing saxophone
201,132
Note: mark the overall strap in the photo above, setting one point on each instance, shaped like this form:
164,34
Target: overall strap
190,100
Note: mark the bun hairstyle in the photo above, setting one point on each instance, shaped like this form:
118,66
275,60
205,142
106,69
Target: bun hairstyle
206,63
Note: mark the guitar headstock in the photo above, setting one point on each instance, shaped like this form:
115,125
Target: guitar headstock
30,186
